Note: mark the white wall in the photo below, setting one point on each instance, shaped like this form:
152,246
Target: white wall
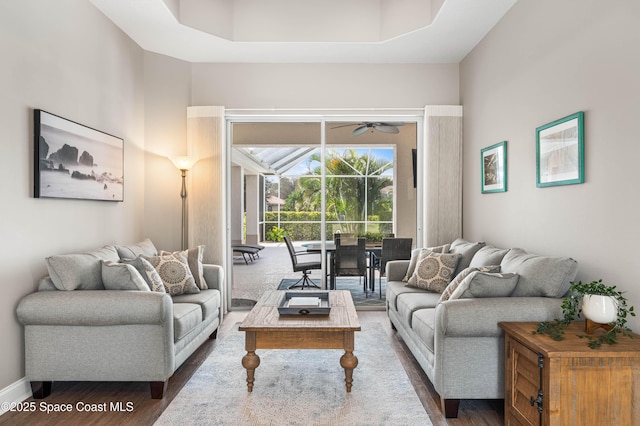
545,60
167,83
64,57
324,85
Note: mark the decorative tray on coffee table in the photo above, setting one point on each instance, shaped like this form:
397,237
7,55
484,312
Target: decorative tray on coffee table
301,303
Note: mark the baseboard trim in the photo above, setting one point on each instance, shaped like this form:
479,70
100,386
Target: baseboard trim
14,393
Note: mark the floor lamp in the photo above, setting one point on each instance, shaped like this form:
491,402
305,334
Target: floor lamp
184,163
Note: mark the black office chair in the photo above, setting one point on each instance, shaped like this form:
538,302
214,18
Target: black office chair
305,266
392,249
350,258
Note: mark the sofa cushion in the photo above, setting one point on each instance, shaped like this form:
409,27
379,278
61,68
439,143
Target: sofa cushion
120,276
488,255
434,271
132,251
209,301
81,271
453,285
539,275
174,272
148,273
466,250
424,325
485,284
194,260
186,316
416,254
409,303
396,288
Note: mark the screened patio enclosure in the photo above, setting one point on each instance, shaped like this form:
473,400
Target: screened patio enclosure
283,181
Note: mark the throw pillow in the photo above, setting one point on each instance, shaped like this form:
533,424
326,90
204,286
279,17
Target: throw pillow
466,250
194,259
488,255
453,285
82,271
132,251
485,284
174,272
434,271
416,254
120,276
148,273
540,275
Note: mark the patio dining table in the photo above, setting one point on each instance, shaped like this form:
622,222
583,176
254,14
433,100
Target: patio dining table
373,251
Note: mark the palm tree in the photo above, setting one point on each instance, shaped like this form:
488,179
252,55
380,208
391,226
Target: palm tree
354,187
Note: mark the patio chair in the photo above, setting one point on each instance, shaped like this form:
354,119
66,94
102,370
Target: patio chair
392,249
301,265
350,258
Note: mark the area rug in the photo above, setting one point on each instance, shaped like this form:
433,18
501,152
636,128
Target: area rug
360,299
299,387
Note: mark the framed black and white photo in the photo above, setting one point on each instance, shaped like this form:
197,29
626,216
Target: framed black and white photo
76,161
493,168
560,152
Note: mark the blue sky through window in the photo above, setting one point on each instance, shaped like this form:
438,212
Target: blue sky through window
382,154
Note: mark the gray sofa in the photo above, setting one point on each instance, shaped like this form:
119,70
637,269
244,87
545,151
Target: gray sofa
83,325
457,342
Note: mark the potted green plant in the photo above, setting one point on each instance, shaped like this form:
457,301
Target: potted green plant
598,309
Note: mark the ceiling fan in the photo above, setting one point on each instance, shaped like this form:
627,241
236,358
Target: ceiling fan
385,127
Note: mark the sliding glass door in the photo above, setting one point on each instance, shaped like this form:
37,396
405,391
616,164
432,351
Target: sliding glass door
309,180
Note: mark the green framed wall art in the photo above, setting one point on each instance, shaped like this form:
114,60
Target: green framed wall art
493,168
560,152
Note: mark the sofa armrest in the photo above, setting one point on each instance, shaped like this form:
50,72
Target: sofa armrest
396,269
95,308
214,276
480,317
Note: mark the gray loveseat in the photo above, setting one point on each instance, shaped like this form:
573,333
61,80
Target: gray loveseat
92,319
457,342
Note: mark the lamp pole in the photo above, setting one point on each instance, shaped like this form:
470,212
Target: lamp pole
185,215
183,164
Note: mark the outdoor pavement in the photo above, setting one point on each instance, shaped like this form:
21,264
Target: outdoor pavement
264,273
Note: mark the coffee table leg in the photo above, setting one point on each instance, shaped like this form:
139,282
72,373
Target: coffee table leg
348,361
251,360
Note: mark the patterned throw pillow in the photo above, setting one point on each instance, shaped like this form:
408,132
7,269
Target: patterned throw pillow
148,273
417,254
194,259
453,285
434,271
174,272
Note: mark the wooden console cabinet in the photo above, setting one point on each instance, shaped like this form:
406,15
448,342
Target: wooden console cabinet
565,382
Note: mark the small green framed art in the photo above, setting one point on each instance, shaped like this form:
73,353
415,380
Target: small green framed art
560,152
493,167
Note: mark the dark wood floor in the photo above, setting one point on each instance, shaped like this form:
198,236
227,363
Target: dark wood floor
145,411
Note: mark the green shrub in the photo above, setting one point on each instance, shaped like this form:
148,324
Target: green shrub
276,234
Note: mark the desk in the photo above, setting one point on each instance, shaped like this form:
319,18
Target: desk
372,250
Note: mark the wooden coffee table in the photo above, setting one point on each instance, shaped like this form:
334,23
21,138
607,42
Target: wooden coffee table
266,329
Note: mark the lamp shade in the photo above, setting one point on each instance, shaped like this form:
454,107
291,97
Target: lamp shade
184,162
